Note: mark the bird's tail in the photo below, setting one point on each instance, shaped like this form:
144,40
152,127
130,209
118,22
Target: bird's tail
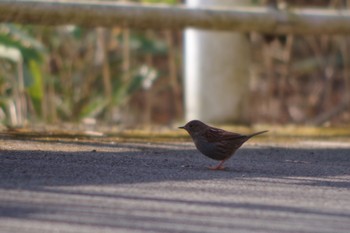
257,133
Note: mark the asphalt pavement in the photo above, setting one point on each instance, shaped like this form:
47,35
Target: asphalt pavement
77,186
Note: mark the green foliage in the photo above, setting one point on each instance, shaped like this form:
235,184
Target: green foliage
69,70
15,37
26,55
94,107
144,78
142,44
34,83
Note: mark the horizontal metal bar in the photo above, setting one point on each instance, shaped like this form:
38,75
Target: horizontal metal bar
156,16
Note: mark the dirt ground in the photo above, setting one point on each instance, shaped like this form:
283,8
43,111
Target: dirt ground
96,186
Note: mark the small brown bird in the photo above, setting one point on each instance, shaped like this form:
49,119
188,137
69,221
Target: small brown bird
215,143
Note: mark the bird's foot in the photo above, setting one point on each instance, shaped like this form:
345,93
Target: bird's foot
217,168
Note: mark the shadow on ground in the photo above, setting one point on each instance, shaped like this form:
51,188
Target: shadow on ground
152,164
167,188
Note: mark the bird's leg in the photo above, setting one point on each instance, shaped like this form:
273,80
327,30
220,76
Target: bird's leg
219,166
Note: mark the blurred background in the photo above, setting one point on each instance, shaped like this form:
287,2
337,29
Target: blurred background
131,77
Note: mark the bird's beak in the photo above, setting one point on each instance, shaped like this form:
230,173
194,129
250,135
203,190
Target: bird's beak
182,127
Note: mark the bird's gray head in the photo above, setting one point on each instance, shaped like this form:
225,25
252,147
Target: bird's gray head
194,127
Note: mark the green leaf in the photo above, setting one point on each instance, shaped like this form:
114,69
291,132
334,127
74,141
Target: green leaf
14,37
94,108
34,81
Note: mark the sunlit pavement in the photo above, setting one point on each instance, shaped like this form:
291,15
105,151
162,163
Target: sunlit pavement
166,187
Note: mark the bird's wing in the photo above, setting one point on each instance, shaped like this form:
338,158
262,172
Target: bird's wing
216,135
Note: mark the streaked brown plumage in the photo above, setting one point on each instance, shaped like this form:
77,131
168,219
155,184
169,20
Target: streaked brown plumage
215,143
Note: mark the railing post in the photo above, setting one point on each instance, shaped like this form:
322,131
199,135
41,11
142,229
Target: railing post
216,71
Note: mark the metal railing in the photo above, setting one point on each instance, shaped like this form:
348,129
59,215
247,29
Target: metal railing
157,16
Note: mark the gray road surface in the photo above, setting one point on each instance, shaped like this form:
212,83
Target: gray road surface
166,187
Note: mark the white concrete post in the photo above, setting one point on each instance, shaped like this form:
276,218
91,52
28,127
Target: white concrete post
216,71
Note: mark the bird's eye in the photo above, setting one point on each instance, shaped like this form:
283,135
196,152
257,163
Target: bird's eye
190,125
